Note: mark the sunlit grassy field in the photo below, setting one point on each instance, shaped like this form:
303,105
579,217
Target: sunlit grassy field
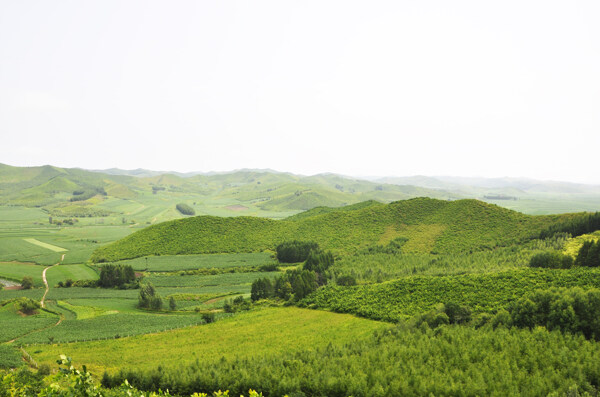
262,332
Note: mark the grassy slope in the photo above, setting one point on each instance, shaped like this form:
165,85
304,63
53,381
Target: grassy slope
267,331
430,225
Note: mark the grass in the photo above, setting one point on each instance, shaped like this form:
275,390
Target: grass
269,331
84,312
170,263
15,271
74,272
45,245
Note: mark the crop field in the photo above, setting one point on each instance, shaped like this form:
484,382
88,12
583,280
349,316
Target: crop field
15,325
224,280
16,271
110,326
170,263
10,357
74,272
267,332
45,245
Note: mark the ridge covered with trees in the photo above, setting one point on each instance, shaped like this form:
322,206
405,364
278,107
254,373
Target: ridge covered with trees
443,226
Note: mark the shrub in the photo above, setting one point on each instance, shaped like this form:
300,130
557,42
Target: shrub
552,260
149,298
269,267
27,306
457,314
346,280
27,282
208,317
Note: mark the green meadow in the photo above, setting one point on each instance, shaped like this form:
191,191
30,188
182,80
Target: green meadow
421,295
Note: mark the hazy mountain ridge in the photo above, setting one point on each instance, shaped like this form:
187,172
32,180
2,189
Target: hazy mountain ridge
264,190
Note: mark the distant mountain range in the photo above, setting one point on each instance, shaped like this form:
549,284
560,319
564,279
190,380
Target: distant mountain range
79,192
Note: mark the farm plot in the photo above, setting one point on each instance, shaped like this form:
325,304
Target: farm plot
10,357
15,325
170,263
225,280
110,326
60,273
16,271
45,245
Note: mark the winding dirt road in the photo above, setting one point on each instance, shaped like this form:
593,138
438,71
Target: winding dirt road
42,302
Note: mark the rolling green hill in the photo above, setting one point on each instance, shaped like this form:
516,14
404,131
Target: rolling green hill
80,193
429,225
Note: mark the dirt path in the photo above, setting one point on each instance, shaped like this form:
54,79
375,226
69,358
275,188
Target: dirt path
62,258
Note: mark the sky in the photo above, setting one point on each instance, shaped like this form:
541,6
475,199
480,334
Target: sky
363,88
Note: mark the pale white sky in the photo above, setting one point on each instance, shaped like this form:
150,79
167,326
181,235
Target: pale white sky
503,88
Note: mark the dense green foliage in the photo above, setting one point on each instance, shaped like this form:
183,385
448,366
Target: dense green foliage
295,285
295,251
576,225
27,282
149,298
185,209
452,360
27,306
569,310
116,276
428,225
406,297
551,260
9,357
589,254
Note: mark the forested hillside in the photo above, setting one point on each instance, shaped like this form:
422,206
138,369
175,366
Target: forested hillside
429,226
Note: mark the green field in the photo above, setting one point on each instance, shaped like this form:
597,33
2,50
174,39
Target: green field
170,263
409,258
15,271
74,272
114,325
267,331
15,325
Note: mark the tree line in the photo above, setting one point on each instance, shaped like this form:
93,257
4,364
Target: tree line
295,284
576,226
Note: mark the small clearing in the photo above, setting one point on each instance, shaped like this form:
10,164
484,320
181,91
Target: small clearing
45,245
236,207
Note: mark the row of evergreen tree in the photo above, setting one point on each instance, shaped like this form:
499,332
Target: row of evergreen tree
295,251
589,254
296,284
576,226
116,276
